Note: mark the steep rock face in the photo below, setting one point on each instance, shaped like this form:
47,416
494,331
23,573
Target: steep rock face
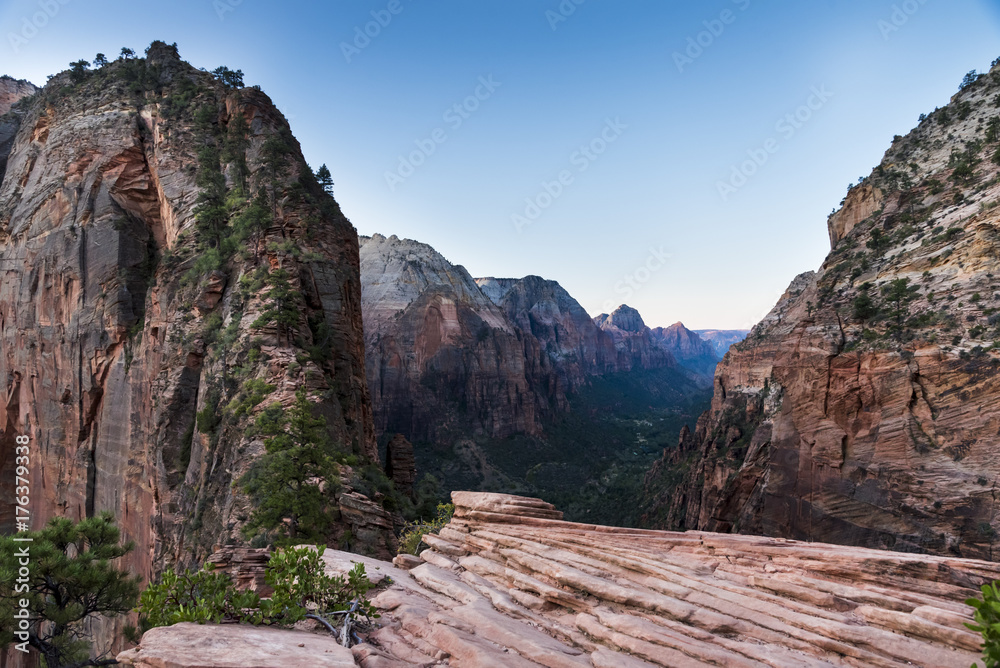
114,339
565,334
864,409
721,339
687,348
13,91
634,341
399,463
440,353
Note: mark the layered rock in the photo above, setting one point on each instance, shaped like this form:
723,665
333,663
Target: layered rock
114,339
189,645
864,409
508,583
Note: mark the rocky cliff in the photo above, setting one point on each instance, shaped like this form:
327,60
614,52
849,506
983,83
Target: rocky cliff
12,91
865,408
441,356
688,348
170,267
509,583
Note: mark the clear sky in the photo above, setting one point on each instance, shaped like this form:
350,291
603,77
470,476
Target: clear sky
638,217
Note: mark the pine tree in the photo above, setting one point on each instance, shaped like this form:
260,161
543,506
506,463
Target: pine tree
285,481
325,179
71,578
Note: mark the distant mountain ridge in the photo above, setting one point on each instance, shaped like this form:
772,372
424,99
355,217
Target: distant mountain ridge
722,339
457,364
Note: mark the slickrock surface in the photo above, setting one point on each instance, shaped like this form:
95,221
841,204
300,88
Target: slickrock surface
190,645
507,584
847,415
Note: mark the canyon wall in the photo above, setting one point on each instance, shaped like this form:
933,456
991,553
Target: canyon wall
865,408
137,351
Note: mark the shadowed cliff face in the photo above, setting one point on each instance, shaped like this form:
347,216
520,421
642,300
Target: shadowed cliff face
114,339
865,408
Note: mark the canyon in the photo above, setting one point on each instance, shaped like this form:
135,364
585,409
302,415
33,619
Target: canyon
863,409
504,384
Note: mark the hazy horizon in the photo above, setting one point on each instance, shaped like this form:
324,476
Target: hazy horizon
448,123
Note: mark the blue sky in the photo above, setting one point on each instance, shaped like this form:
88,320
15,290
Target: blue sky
600,115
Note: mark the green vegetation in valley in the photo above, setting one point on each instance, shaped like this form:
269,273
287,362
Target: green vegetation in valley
591,460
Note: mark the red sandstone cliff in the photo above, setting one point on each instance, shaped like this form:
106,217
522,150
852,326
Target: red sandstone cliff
114,339
865,408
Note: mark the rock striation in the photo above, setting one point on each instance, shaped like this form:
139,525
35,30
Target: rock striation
509,584
863,409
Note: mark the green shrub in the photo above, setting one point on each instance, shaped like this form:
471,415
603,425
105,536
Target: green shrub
297,575
987,618
413,534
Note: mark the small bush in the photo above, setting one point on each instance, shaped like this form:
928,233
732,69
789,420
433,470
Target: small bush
297,575
413,534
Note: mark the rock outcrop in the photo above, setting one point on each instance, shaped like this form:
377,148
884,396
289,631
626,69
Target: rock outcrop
13,91
864,409
509,584
137,347
400,465
190,645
